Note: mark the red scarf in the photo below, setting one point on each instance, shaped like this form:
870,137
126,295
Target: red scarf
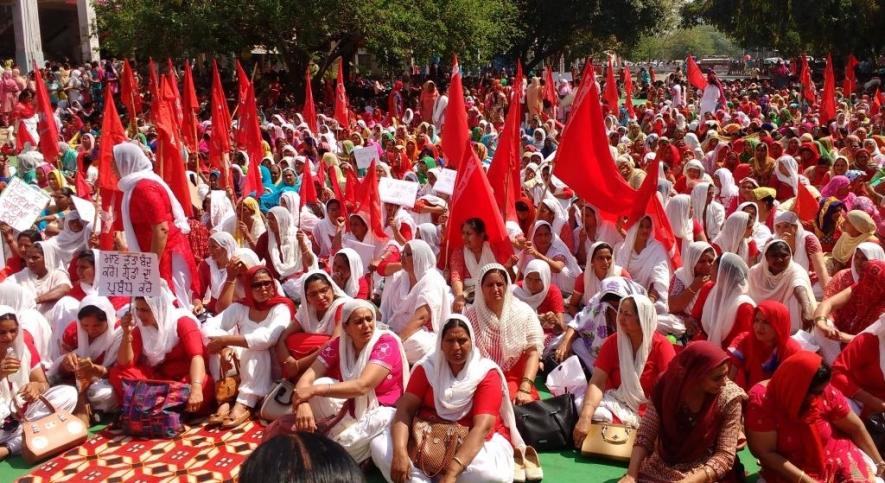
247,278
757,354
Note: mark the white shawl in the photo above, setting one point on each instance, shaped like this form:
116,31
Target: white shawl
711,222
159,340
14,382
800,254
731,239
650,267
217,275
108,343
871,251
679,213
592,283
766,286
400,298
474,266
352,287
285,253
566,277
534,300
729,293
307,316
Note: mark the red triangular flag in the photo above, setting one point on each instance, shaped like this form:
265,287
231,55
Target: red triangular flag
341,103
850,82
170,162
310,111
23,136
611,89
248,134
351,187
828,99
504,171
336,188
172,79
308,193
219,140
695,77
455,133
129,91
473,198
628,91
112,134
809,91
805,206
190,108
370,201
876,103
153,86
550,87
46,126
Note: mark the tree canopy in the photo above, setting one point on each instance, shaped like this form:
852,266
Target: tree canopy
701,41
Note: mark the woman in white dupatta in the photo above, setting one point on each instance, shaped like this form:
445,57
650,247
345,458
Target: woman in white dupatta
73,238
600,266
709,213
288,250
688,288
325,231
777,277
459,379
548,247
635,356
374,374
93,352
416,300
222,249
593,228
721,315
679,213
22,303
509,332
465,263
761,233
23,382
349,274
788,228
536,291
647,261
734,236
48,283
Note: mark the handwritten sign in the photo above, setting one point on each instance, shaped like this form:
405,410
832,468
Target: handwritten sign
365,156
398,192
364,250
445,182
21,204
131,274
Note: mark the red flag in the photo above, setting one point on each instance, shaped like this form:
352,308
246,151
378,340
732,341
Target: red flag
310,111
809,91
219,140
46,126
112,134
806,205
170,162
129,91
473,198
611,89
550,87
695,77
504,171
370,201
850,82
190,108
455,133
876,103
248,134
23,136
336,187
308,193
341,104
651,74
828,99
153,86
172,79
628,91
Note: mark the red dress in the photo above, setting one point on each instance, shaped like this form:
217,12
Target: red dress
662,352
858,367
175,367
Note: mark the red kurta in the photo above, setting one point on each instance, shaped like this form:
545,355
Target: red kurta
857,367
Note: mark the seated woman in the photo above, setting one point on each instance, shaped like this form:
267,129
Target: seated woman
690,432
213,270
317,321
248,226
545,299
363,373
90,346
756,354
709,213
728,311
287,250
735,238
857,371
547,247
806,248
416,300
847,277
326,230
348,273
761,232
593,229
456,384
777,277
508,332
857,227
163,342
21,301
83,279
251,327
600,266
466,262
801,429
23,383
852,310
685,227
647,261
596,321
48,282
689,288
620,396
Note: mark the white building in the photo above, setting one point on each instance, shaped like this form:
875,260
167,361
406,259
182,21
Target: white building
63,29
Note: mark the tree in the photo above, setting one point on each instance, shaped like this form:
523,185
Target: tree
701,41
820,26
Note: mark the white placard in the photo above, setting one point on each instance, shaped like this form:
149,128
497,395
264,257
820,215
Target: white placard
445,181
365,156
85,209
364,250
398,192
130,274
21,204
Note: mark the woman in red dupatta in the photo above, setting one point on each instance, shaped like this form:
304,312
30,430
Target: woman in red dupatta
757,354
791,427
691,431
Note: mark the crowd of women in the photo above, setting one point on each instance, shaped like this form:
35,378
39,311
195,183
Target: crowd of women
765,331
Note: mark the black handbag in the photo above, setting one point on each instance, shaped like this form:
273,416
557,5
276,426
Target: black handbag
547,425
875,425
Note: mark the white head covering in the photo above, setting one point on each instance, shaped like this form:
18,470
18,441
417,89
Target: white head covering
678,212
307,316
729,293
800,255
158,340
14,382
352,287
217,275
645,267
133,167
792,178
220,209
430,233
766,286
108,343
870,250
711,223
453,393
731,239
534,300
400,298
726,180
68,242
285,254
591,282
691,255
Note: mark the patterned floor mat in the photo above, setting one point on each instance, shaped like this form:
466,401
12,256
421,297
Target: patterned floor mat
199,454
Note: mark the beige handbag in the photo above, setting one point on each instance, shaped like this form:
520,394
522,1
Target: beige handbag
278,402
52,434
609,441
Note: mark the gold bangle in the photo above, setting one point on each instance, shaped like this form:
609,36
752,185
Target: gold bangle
458,460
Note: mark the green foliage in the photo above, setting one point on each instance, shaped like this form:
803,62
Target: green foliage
701,41
794,26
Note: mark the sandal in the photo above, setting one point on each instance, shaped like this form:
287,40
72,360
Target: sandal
533,471
219,416
233,422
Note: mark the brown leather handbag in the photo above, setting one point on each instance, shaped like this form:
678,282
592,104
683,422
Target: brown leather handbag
226,389
52,434
433,444
609,441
